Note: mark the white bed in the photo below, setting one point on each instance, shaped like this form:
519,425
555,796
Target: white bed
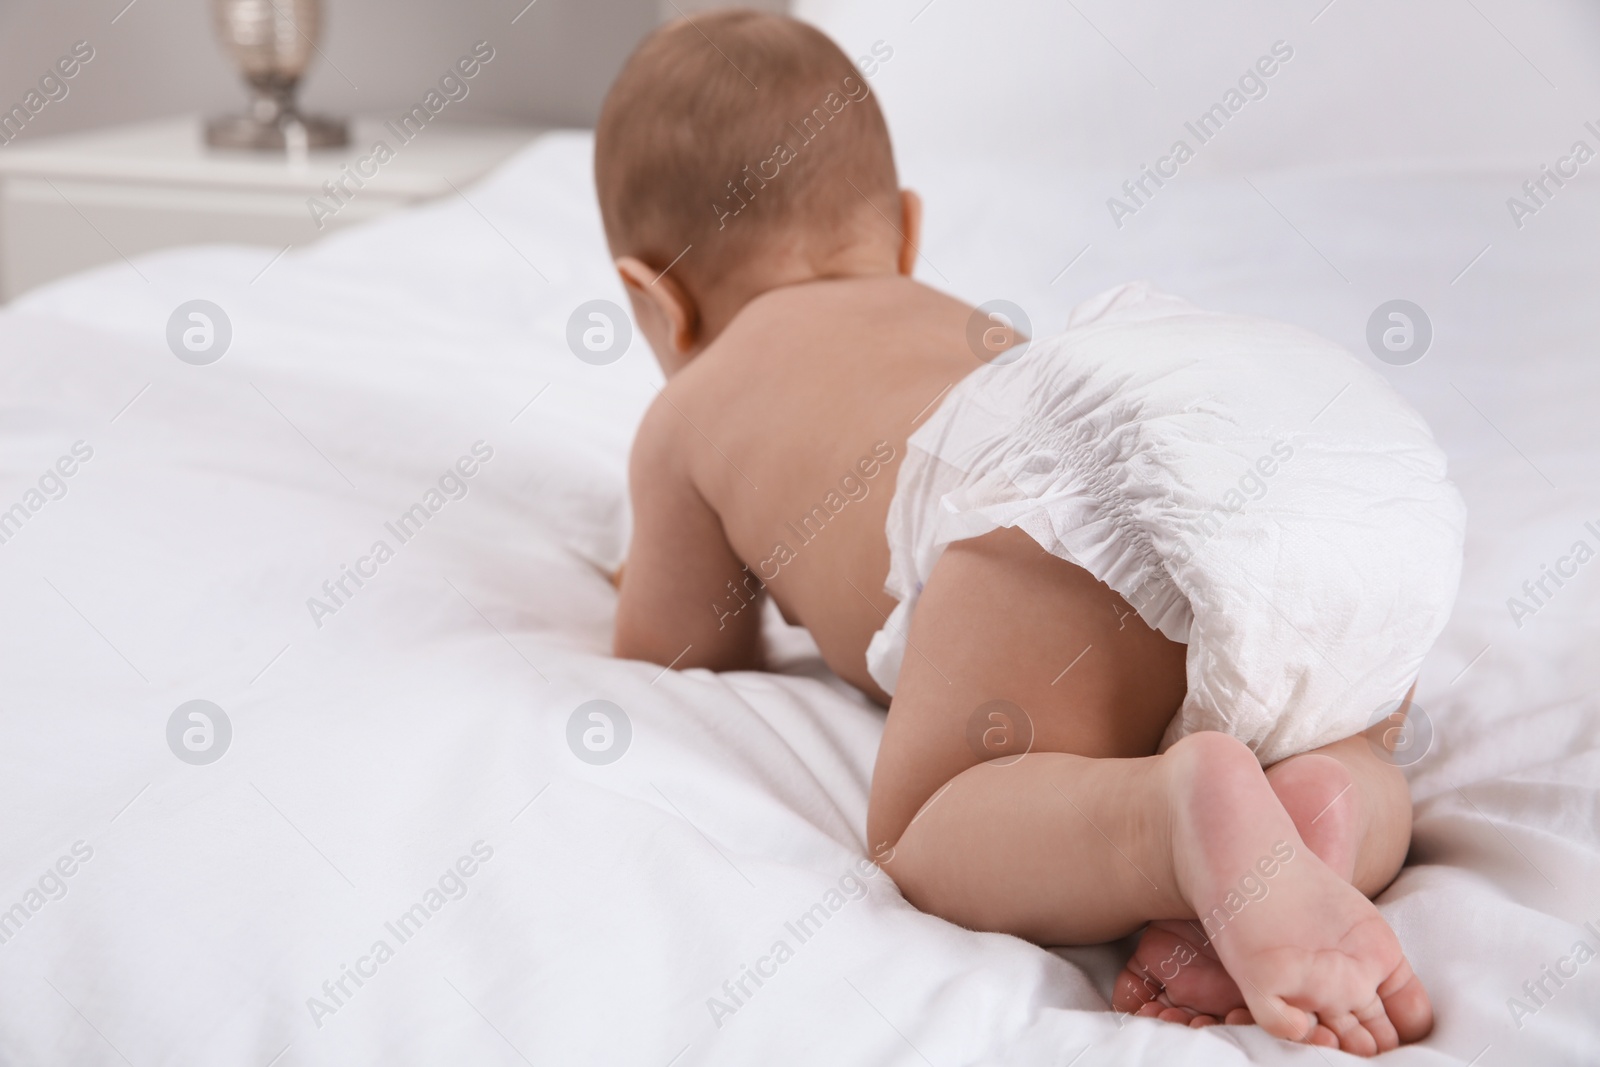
430,712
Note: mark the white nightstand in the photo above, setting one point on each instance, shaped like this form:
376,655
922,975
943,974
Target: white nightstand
76,201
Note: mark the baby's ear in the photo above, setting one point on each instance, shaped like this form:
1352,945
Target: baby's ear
661,293
910,230
635,275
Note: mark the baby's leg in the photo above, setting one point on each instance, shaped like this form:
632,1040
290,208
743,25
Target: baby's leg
1004,622
1350,805
1063,849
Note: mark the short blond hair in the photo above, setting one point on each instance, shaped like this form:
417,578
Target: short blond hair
734,130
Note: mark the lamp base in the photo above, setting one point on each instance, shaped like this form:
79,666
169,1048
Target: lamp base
276,135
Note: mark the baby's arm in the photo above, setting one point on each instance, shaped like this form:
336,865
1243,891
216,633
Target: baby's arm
675,606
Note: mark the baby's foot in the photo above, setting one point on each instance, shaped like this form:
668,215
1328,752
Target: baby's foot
1316,792
1313,958
1175,974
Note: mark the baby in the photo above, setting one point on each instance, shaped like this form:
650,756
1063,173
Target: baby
750,201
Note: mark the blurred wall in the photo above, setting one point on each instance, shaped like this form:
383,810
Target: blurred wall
1110,83
161,57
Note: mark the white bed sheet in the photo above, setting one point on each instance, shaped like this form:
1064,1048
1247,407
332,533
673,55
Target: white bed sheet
430,712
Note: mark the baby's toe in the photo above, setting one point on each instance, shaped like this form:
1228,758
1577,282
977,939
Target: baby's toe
1322,1036
1374,1017
1134,990
1281,1019
1406,1004
1351,1035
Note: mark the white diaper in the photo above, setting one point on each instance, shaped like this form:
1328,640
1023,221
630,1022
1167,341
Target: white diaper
1248,487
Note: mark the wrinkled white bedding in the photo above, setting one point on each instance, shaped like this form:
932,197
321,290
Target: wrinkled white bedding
423,725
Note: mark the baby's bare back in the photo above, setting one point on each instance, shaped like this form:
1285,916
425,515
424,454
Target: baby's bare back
792,427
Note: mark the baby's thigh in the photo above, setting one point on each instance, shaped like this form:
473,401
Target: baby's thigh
1013,650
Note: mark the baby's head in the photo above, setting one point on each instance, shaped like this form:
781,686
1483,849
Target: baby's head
738,152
